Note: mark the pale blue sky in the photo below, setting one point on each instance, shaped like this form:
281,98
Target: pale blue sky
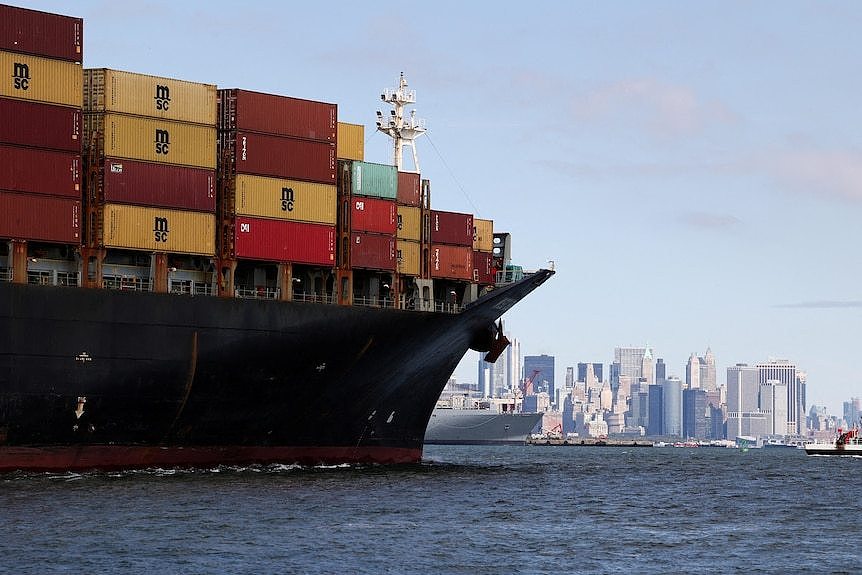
693,168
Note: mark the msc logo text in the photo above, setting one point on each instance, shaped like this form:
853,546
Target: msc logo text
163,97
163,142
21,76
160,229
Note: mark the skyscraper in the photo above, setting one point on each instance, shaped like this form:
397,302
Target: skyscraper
660,371
656,410
672,412
694,414
773,402
544,379
743,397
648,367
597,371
785,372
707,371
630,361
692,372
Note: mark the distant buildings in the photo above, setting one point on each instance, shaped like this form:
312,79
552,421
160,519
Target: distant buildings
543,367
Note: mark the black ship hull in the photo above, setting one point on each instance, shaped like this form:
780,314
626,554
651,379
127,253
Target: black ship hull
110,379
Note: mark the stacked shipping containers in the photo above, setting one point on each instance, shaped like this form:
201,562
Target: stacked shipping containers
370,216
452,246
40,129
409,224
483,252
278,178
151,150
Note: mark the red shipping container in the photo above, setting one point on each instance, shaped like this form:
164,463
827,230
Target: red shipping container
409,191
40,218
25,123
284,241
163,185
278,115
281,157
41,33
484,271
372,251
39,171
373,215
451,228
452,262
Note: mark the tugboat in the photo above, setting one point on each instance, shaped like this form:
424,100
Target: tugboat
847,443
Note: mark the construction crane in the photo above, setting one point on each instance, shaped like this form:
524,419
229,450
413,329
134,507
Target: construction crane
527,384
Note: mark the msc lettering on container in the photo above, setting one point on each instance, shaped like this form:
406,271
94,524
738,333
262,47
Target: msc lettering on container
287,199
163,141
163,97
160,229
21,76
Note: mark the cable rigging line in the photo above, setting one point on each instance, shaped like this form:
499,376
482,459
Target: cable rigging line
451,173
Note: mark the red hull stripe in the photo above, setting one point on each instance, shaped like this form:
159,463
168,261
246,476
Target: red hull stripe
112,457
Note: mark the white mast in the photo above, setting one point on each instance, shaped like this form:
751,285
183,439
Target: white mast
403,131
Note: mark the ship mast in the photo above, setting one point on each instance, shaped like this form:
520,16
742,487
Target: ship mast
403,131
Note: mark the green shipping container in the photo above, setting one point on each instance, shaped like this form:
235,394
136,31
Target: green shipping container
375,180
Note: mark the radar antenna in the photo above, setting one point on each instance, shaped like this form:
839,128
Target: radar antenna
403,131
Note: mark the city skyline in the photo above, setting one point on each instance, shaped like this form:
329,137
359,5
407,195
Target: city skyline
691,169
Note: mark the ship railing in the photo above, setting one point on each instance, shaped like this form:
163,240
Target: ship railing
257,292
444,307
52,278
189,287
383,302
127,283
5,275
313,298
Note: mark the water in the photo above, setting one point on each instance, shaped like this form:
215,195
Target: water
465,510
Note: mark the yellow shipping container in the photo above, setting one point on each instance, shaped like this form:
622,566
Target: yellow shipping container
159,230
351,142
142,95
483,235
41,79
409,223
152,140
408,257
286,199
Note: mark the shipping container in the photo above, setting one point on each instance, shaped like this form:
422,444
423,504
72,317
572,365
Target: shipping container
451,228
373,215
351,141
38,171
142,95
40,218
452,262
409,223
158,185
153,140
282,241
39,125
372,252
375,180
483,263
409,191
483,235
281,157
310,202
248,111
40,79
41,33
158,230
409,258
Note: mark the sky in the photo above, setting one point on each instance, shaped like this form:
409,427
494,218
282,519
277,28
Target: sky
693,169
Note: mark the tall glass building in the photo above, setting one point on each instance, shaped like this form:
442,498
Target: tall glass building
672,400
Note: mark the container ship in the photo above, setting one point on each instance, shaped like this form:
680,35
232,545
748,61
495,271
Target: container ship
195,276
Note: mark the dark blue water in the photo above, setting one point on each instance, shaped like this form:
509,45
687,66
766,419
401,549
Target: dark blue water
471,510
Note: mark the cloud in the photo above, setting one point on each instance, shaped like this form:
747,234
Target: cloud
823,304
662,108
705,220
832,173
